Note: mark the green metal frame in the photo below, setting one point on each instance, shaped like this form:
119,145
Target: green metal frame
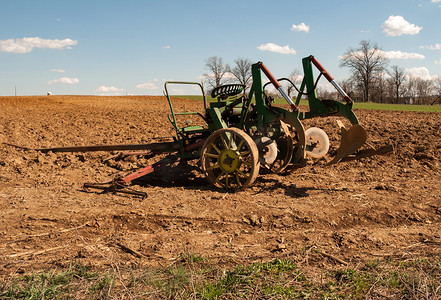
272,115
317,107
255,114
189,134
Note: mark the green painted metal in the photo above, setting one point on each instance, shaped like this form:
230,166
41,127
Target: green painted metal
254,112
317,107
190,134
267,115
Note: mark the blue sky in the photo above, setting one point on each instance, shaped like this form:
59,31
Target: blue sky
96,47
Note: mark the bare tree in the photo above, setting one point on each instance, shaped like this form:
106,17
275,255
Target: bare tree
324,93
242,71
349,87
379,87
398,77
390,90
295,78
410,88
424,88
437,89
218,69
364,62
418,89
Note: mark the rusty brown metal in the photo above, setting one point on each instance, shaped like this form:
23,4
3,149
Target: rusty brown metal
120,185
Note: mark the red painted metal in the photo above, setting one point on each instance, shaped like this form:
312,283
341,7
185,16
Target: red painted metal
149,169
321,68
269,75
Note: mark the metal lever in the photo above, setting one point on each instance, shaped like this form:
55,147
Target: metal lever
277,85
330,79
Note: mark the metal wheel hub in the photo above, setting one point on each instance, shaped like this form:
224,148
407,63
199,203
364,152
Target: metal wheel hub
228,161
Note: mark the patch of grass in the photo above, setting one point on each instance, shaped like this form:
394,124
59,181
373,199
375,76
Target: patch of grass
191,258
102,287
266,279
47,285
397,107
176,282
357,105
356,283
192,276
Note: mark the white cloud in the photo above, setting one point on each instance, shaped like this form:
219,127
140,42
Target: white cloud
436,1
166,47
27,44
301,27
276,48
57,71
388,55
438,62
433,47
147,86
396,26
109,91
64,80
402,55
420,72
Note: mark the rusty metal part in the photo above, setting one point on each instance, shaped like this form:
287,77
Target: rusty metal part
119,185
351,140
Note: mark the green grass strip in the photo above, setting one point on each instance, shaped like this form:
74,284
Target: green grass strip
357,105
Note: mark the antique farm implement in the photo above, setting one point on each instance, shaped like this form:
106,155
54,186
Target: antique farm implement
240,133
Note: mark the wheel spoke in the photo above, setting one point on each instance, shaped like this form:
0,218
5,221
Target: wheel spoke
219,177
215,148
229,141
215,166
244,153
246,162
238,180
241,173
211,155
224,142
240,145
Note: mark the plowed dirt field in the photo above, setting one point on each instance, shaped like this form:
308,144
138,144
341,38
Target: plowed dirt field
377,208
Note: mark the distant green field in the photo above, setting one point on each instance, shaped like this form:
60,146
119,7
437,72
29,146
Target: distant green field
358,105
398,107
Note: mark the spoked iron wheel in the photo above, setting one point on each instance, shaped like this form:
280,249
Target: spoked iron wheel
230,159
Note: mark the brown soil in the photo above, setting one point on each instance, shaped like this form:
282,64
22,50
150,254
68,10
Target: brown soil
375,208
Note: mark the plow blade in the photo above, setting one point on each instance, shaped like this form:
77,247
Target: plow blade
351,140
